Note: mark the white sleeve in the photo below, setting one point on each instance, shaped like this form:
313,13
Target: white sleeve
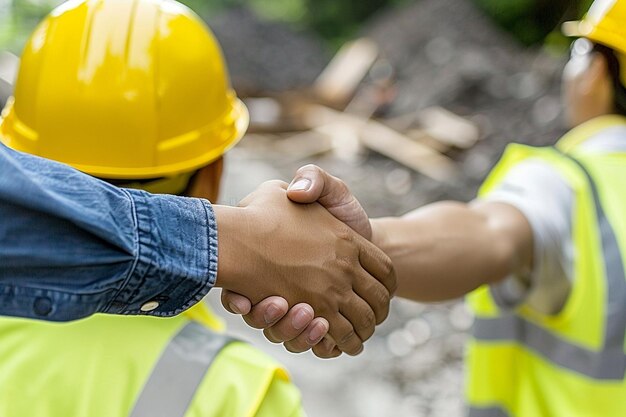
540,193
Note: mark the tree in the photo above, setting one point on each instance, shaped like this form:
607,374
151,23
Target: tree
531,21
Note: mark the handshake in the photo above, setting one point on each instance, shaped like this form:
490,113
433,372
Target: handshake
305,273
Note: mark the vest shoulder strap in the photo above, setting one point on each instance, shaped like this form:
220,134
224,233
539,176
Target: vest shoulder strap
179,371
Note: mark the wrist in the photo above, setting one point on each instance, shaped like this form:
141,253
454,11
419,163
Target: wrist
379,235
232,229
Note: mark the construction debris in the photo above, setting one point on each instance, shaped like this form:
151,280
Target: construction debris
386,141
338,110
338,83
471,68
448,128
279,73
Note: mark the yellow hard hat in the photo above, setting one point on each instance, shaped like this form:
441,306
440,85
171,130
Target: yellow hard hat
124,89
604,23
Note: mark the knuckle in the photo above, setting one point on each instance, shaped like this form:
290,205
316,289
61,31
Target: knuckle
347,338
383,298
325,355
295,346
281,335
367,321
341,183
382,314
356,351
342,188
353,350
344,233
390,276
346,265
269,335
321,352
252,321
388,268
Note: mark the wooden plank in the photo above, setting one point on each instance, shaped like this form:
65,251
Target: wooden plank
414,155
304,145
424,138
339,81
391,143
448,128
278,114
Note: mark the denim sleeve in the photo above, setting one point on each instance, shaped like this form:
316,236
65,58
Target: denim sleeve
72,246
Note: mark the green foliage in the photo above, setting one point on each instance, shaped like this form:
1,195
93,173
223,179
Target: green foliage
18,18
531,21
292,11
336,20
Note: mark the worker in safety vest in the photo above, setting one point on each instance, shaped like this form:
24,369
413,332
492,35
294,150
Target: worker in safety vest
112,84
542,250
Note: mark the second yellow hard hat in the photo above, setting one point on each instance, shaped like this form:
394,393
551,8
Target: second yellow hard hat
604,23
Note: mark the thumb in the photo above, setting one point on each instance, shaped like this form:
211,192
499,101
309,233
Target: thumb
309,185
313,184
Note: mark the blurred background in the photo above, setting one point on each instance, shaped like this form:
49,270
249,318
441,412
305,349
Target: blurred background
417,110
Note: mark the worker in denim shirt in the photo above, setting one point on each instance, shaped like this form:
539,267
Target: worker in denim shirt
72,245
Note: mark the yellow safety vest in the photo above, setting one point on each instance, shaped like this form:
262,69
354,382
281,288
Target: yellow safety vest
526,364
111,366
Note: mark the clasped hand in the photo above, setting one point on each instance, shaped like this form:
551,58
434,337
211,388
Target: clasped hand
320,283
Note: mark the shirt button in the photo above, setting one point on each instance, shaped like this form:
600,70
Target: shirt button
42,306
149,306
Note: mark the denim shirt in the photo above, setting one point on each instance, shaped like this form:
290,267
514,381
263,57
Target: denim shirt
72,246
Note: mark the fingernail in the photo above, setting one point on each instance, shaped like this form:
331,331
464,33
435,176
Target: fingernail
302,184
316,334
301,320
272,313
234,308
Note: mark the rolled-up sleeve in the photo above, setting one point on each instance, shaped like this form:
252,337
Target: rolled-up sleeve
72,246
537,190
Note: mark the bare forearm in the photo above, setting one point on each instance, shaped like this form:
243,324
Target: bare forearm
444,250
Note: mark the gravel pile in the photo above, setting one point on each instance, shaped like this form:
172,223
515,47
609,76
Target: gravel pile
267,56
447,53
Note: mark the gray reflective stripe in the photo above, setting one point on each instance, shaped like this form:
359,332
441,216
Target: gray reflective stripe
179,371
607,364
487,412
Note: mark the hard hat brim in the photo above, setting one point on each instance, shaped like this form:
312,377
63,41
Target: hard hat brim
241,119
238,113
